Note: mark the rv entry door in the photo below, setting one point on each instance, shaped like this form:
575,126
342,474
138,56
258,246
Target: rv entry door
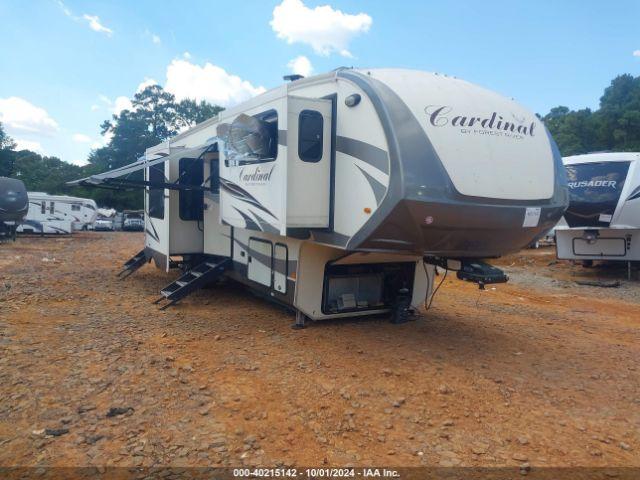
309,162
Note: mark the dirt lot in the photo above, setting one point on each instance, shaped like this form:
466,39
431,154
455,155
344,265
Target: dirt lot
539,371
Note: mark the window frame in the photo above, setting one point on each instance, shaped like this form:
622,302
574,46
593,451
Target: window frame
301,116
192,214
260,116
156,195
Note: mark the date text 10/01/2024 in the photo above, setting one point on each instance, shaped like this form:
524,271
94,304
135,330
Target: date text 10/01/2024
315,473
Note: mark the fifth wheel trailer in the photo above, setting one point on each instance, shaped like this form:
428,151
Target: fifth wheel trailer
14,205
57,214
603,218
339,193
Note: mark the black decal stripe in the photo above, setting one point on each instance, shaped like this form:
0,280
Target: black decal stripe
266,226
374,156
239,193
148,232
249,223
635,194
378,189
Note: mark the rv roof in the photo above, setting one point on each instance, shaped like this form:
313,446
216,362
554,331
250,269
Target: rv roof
59,198
601,157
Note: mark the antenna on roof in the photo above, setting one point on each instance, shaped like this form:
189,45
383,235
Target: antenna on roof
292,78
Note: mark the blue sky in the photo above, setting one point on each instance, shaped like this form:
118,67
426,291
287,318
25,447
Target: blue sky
66,66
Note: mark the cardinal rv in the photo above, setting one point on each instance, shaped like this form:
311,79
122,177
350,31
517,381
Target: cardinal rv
338,194
603,218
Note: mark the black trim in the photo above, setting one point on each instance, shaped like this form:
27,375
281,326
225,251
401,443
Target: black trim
332,168
275,262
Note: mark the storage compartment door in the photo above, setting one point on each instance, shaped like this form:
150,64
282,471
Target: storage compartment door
309,162
600,247
280,267
260,260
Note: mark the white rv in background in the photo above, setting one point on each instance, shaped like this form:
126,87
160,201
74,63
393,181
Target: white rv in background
339,194
603,218
57,214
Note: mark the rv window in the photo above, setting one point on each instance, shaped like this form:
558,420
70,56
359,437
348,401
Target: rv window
75,207
252,139
43,207
190,201
52,207
214,179
310,127
213,157
156,195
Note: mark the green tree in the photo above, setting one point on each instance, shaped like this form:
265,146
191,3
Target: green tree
155,117
7,156
6,142
615,126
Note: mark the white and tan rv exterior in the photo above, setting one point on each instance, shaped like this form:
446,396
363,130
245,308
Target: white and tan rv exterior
603,218
57,214
408,169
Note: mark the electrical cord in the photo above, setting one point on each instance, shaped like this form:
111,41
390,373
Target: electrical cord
428,306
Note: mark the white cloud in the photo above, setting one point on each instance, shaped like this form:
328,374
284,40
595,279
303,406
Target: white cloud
95,108
96,26
19,115
301,65
207,82
187,55
29,145
121,103
81,138
64,8
92,20
156,39
636,53
325,29
147,82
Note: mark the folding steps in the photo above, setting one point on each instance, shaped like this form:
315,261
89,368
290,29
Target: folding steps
196,278
133,264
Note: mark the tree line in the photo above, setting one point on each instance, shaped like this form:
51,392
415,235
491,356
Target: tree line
156,116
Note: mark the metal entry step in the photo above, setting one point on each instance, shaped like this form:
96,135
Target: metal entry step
193,280
133,264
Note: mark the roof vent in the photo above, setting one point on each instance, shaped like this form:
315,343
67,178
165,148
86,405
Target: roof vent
292,78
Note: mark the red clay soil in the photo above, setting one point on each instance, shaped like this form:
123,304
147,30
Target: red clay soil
539,371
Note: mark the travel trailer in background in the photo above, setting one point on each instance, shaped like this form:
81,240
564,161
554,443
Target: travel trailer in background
58,214
339,194
14,205
603,218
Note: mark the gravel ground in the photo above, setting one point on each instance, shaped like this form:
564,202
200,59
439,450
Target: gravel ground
539,371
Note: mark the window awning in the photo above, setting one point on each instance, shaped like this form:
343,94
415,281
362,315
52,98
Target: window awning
118,177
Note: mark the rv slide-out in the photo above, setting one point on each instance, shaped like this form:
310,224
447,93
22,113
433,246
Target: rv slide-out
337,194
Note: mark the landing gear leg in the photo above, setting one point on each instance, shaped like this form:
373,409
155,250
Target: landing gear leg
402,307
300,320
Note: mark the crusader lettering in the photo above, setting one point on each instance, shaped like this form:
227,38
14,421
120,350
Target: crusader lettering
593,183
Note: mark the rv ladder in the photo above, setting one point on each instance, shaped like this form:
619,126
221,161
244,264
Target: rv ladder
133,264
194,279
